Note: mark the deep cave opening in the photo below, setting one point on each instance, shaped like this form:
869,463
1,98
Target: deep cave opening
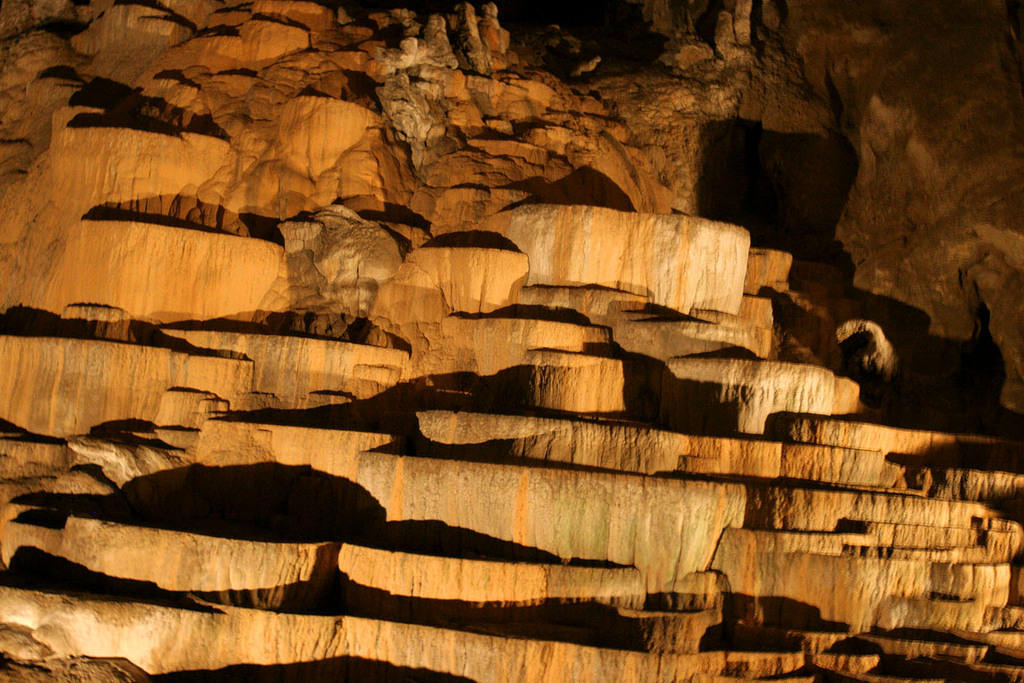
614,29
982,370
1014,10
981,352
733,184
568,14
707,20
787,189
64,29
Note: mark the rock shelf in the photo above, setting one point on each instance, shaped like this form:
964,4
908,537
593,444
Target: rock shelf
356,347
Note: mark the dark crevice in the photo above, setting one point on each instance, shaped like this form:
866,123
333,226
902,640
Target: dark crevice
176,75
190,213
125,107
1013,16
580,621
982,371
168,15
217,31
395,213
22,321
272,502
61,72
66,29
478,239
337,669
279,19
777,611
787,189
706,22
532,312
582,186
31,567
307,324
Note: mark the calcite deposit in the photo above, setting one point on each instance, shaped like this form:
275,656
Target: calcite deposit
348,341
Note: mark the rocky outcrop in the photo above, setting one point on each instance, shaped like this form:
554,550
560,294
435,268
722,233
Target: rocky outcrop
98,381
275,575
487,581
337,261
678,262
828,129
349,344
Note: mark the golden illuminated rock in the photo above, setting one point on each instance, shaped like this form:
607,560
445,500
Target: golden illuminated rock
676,261
650,341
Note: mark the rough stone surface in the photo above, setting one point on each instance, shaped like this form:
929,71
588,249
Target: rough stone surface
654,340
678,262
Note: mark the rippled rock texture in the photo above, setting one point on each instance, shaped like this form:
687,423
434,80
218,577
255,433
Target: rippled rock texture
676,342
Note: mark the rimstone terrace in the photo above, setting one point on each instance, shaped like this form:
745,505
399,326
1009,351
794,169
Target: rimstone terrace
354,348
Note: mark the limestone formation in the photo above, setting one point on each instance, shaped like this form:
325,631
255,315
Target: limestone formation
474,52
679,262
278,575
293,369
363,343
81,383
869,349
753,390
487,581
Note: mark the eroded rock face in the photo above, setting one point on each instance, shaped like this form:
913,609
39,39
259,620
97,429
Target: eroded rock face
351,344
881,136
336,261
928,206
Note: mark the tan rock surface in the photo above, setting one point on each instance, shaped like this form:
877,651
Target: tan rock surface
436,281
626,448
488,345
516,504
753,390
939,445
82,383
665,338
487,581
849,590
279,575
767,268
349,343
676,261
165,639
293,367
122,463
575,382
221,275
337,259
594,302
20,457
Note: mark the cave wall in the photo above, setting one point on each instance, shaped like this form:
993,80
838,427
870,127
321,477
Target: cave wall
888,145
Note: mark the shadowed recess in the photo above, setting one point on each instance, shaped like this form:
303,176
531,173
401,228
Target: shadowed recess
582,622
189,212
176,75
788,189
268,501
583,186
31,322
125,107
33,568
166,14
339,669
479,239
